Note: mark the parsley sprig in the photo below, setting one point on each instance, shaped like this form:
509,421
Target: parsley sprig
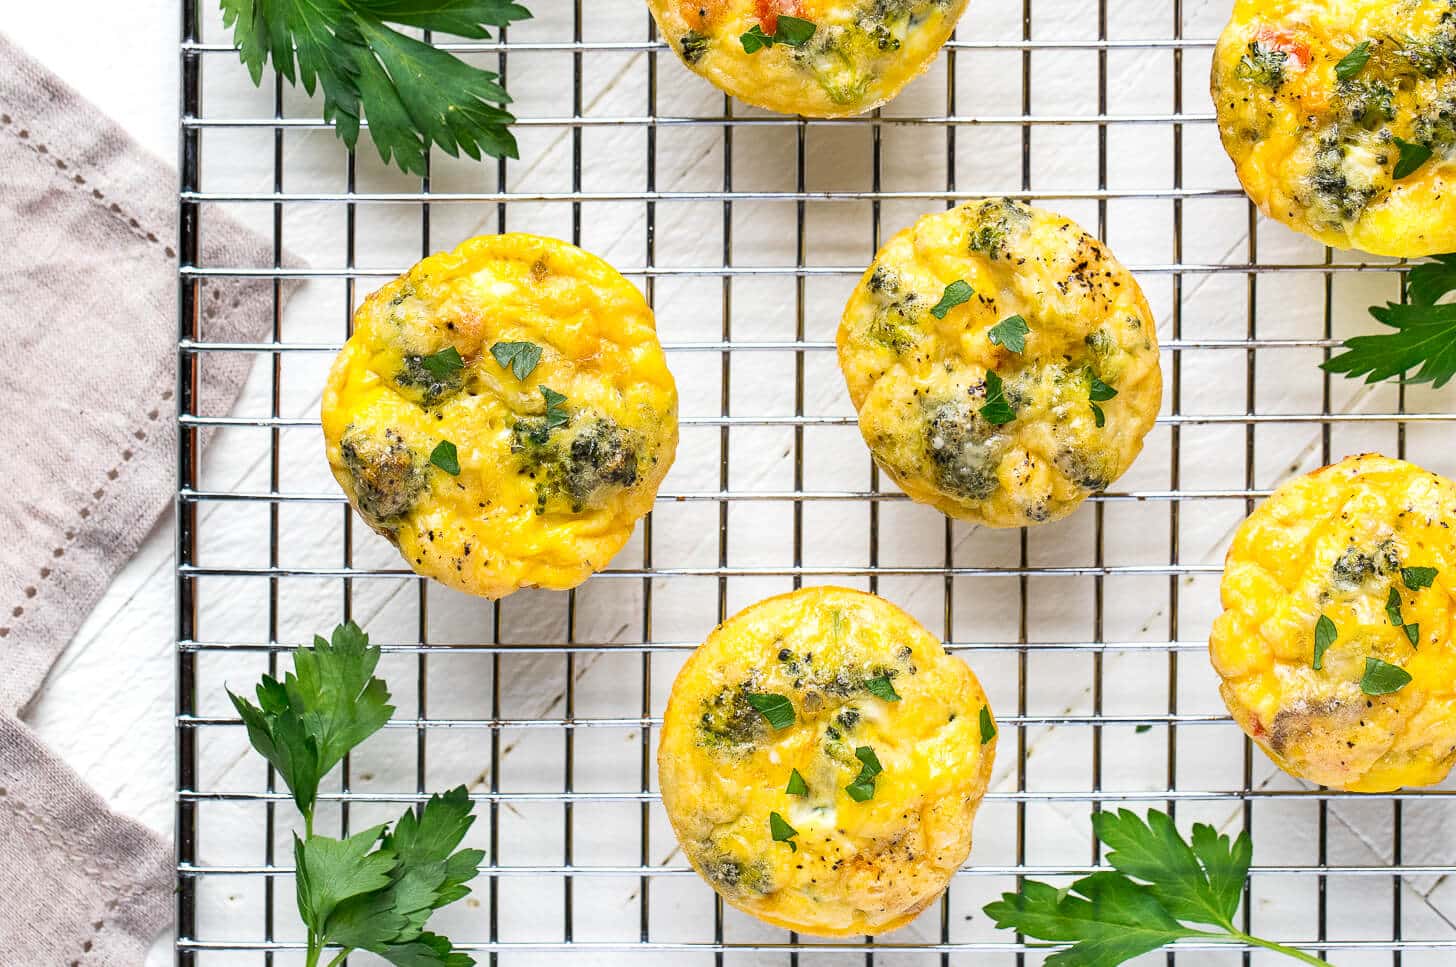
374,890
1424,339
413,94
1158,884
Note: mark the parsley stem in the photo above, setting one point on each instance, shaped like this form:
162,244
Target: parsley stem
1281,949
347,951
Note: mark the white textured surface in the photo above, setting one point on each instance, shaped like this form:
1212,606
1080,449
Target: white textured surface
108,706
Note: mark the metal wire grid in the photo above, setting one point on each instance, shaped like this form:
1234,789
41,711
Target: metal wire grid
263,942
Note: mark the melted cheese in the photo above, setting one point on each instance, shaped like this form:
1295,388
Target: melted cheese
532,505
920,383
859,867
1318,152
861,55
1333,543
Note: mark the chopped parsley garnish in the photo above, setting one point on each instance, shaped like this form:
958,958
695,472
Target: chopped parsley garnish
556,414
997,410
1425,333
797,785
1325,634
446,458
958,293
781,831
444,364
1413,157
791,32
1383,678
1143,729
1010,334
1354,62
988,727
1098,392
863,787
1418,578
1413,632
881,687
520,358
1392,608
776,708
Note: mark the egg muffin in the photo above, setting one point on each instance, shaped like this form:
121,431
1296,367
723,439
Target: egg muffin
1334,646
1003,363
1341,118
503,414
821,58
821,760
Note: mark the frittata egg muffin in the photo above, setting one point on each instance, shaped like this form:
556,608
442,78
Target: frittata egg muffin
821,58
822,758
503,414
1004,364
1335,642
1340,118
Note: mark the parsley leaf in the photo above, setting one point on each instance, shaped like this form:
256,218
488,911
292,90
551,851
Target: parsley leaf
1392,608
791,32
1325,634
1383,678
1098,391
863,787
881,687
444,364
996,411
1413,157
328,704
556,414
988,726
1098,417
958,293
776,708
1425,335
797,785
521,358
1354,62
1418,578
1010,333
446,458
781,831
1159,883
413,94
1413,632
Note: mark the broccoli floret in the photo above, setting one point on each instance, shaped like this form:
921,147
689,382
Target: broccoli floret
387,474
694,46
1368,103
1263,65
1084,469
729,722
992,223
578,465
1355,566
1335,198
957,444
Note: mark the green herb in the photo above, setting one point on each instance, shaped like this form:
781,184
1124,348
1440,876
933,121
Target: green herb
1158,884
1354,62
1413,632
1392,608
1098,417
781,831
863,787
1413,156
1383,678
797,785
996,411
414,95
776,708
556,414
958,293
1425,335
444,364
1098,391
376,889
791,32
1010,333
1418,578
1143,729
521,358
881,687
988,726
1325,634
446,458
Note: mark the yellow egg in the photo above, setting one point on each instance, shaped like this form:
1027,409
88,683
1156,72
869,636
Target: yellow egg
821,58
503,413
1003,363
1335,644
773,734
1323,104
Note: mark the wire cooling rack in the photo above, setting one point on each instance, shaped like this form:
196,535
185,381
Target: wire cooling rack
747,230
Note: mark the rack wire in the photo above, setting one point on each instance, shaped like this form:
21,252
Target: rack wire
1337,872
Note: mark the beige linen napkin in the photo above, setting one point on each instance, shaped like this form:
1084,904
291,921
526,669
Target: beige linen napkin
87,369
